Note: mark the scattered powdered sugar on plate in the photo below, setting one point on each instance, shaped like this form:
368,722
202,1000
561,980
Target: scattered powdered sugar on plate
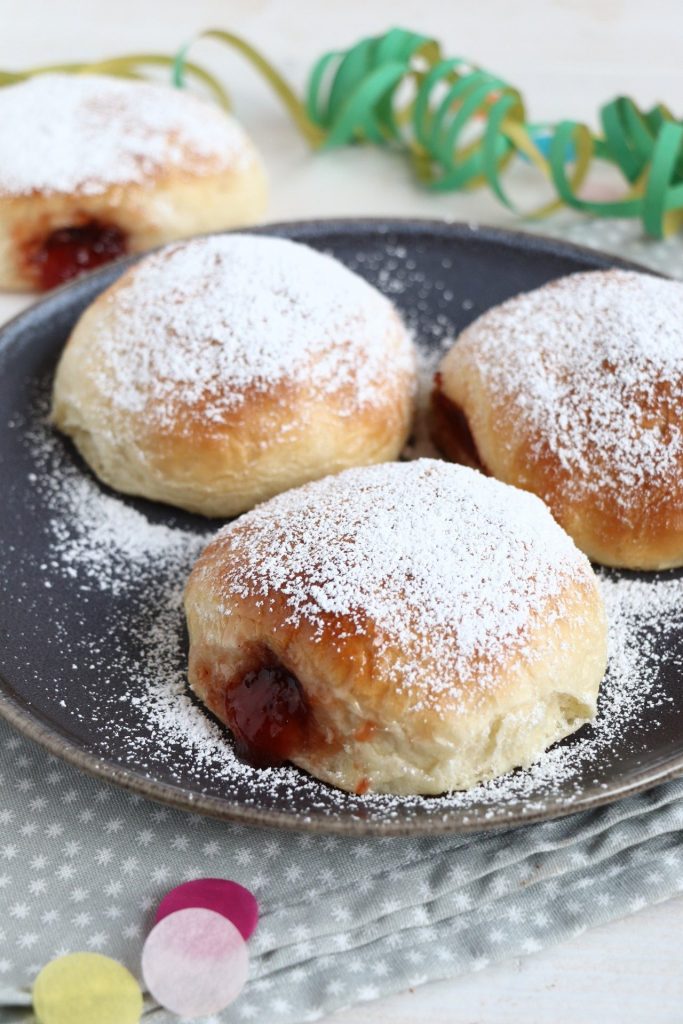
100,542
106,549
96,538
84,133
590,368
195,326
110,539
427,318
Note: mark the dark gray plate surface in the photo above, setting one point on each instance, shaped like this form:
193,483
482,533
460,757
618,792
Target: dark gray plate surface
448,275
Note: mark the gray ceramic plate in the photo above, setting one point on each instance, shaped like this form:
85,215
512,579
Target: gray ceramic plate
56,690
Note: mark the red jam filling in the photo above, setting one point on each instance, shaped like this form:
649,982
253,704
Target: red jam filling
452,431
268,715
68,252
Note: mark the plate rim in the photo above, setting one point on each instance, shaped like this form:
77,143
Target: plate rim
450,821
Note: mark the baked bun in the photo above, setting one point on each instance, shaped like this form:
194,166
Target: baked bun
221,371
94,167
406,628
575,392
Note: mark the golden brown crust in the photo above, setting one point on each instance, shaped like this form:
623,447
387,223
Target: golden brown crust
210,443
176,204
390,710
619,516
650,537
154,163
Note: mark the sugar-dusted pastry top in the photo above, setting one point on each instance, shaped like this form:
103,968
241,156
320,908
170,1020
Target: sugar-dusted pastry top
448,567
64,133
590,368
206,324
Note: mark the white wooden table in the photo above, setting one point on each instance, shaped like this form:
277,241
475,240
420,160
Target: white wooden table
567,56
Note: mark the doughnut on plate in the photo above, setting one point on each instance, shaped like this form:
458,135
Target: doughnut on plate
92,644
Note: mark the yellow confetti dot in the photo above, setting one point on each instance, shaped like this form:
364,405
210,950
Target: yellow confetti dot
82,988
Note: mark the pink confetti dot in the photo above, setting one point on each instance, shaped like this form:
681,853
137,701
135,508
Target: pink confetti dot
195,962
230,899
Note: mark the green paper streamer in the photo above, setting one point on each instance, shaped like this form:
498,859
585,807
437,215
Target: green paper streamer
459,125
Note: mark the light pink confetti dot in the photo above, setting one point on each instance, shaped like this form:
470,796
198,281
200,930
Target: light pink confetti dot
195,962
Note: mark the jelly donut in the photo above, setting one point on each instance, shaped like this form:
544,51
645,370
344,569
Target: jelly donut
220,371
94,167
405,628
575,391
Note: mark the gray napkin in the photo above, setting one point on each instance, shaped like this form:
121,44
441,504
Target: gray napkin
82,866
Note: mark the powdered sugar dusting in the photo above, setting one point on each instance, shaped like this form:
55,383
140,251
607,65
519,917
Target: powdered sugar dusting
198,323
84,133
101,541
592,369
129,671
452,568
101,544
